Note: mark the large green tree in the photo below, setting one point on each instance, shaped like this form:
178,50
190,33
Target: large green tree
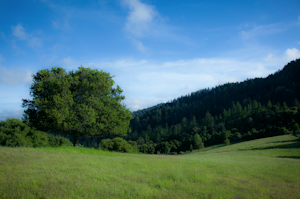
80,103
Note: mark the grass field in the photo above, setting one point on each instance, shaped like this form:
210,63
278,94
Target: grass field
264,168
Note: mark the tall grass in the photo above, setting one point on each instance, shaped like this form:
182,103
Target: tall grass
264,168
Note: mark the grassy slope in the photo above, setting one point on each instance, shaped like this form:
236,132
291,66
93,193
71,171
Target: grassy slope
254,169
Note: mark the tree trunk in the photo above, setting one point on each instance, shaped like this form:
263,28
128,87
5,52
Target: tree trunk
75,141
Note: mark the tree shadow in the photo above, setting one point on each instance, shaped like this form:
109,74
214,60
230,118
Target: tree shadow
291,144
294,157
285,141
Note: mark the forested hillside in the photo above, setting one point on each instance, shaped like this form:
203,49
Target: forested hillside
250,109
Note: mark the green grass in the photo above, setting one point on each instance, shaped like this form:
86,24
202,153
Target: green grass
264,168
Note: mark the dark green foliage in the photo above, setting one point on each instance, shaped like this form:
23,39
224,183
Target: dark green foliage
81,103
198,144
107,145
117,144
134,146
143,148
165,147
227,141
14,132
296,129
121,145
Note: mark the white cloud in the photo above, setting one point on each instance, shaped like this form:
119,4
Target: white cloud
292,54
140,17
259,31
125,63
140,46
35,42
13,76
67,61
61,25
19,32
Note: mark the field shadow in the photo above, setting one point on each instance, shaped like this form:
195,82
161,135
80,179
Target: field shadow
284,141
294,157
289,145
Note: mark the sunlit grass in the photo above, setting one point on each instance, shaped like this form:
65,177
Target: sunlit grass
254,169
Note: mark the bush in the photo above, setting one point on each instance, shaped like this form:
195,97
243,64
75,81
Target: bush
134,146
121,145
227,141
143,148
106,145
14,132
116,144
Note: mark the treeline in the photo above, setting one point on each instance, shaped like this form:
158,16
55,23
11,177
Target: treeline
238,123
14,133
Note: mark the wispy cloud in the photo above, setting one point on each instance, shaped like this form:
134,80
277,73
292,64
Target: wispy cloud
61,24
259,31
140,17
67,61
140,22
35,42
139,45
19,32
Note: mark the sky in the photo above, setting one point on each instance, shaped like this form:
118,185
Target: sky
157,50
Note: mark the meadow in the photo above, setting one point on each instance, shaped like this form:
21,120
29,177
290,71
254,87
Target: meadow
263,168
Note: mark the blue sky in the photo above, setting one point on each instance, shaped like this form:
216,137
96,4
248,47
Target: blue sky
157,50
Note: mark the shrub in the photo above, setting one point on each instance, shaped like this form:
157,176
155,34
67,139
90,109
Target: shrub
121,145
116,144
106,145
227,141
143,148
14,132
134,146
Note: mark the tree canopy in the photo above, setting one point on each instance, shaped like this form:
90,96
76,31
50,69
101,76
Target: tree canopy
80,103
